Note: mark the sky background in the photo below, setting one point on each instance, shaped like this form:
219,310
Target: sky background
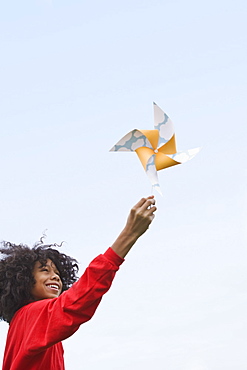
75,77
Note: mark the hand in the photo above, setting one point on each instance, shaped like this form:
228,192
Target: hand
140,217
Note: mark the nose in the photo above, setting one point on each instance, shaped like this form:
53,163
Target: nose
55,277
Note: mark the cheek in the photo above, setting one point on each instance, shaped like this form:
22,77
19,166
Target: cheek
37,283
33,283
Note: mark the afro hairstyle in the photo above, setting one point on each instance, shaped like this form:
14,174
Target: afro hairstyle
16,273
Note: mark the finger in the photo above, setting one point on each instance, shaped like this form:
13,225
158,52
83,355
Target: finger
151,210
142,202
150,219
149,213
147,204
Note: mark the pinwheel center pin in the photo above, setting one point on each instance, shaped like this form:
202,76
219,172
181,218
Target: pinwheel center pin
156,151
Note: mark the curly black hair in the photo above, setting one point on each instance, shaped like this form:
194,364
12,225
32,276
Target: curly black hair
16,273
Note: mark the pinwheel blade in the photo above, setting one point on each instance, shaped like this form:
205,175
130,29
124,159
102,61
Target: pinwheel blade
163,123
130,142
184,156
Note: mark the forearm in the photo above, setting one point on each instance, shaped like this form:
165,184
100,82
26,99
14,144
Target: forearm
124,243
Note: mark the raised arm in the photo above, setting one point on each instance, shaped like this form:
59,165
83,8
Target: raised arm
52,320
140,217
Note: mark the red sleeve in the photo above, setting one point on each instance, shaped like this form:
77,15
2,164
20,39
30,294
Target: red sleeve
51,320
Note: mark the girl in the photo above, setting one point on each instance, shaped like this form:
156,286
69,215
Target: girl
39,301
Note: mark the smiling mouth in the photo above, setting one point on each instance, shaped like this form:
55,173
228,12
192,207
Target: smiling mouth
53,287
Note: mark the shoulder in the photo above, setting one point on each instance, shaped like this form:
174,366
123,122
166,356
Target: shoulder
29,309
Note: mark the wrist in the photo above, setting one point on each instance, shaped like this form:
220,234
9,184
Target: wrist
129,235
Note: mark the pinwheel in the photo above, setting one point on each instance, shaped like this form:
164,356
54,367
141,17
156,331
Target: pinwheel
156,148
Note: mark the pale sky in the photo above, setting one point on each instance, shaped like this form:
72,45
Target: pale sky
75,77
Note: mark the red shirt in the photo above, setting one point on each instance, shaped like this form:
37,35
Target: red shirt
37,329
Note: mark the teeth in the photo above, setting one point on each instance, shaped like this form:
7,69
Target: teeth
53,286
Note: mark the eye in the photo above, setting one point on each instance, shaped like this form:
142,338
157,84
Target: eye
44,269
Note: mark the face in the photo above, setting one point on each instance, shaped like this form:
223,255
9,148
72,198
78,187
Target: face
48,283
